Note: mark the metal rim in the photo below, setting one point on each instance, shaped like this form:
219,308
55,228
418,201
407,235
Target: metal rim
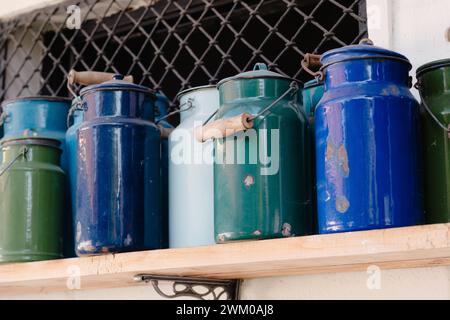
182,93
237,77
432,66
36,98
134,88
32,141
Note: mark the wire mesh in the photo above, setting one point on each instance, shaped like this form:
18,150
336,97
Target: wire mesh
170,45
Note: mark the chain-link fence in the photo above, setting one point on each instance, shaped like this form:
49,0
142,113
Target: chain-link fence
170,45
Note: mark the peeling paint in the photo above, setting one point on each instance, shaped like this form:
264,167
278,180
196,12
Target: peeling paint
78,231
286,231
343,160
257,233
128,241
342,204
86,246
249,181
330,150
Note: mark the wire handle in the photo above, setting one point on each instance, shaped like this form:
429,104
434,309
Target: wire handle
312,61
189,103
23,153
428,109
223,128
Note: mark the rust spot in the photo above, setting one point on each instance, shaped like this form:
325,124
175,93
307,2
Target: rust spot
342,204
105,250
86,246
330,150
286,231
249,181
343,160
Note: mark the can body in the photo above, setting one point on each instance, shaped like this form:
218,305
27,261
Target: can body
191,175
367,143
118,173
434,80
42,117
162,105
266,193
312,93
31,206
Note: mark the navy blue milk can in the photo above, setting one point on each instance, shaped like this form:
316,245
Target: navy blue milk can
367,142
118,170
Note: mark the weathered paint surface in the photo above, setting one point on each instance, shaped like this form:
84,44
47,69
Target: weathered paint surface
118,172
369,172
31,205
248,204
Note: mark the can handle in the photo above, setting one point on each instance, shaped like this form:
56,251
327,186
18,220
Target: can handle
312,61
227,127
189,103
223,128
428,109
23,153
87,78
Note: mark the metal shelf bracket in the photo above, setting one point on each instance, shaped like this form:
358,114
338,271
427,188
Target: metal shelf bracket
199,288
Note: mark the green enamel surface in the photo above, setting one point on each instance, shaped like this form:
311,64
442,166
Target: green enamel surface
248,204
435,86
31,205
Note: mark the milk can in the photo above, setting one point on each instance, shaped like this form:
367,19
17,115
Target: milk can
367,142
31,205
118,173
191,175
434,87
261,185
312,93
162,105
43,117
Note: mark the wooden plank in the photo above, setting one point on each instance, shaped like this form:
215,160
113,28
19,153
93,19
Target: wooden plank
411,247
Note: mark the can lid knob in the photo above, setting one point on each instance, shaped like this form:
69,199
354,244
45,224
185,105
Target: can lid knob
118,77
366,41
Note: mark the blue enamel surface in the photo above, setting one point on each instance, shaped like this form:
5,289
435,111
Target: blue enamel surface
118,174
37,117
367,147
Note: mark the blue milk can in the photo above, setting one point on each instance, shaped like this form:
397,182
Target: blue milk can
367,142
118,171
40,117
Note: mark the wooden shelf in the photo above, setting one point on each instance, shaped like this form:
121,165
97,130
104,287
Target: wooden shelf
420,246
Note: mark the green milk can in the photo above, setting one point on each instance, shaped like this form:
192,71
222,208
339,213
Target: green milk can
31,200
261,160
434,87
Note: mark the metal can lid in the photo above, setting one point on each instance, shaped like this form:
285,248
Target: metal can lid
35,141
360,52
313,83
37,98
437,64
182,93
117,84
260,71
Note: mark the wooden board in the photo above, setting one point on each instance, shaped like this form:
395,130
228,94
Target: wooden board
420,246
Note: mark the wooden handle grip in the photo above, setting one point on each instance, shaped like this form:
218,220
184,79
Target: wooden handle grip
312,61
87,78
165,132
223,128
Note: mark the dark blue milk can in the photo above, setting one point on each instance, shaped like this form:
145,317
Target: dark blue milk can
367,142
118,171
38,117
162,106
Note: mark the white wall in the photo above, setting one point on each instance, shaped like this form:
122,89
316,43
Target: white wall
416,28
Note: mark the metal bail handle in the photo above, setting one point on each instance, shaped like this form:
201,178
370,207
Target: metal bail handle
312,61
227,127
428,109
23,153
189,103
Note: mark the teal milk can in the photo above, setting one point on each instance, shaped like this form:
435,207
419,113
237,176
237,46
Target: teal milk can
262,188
